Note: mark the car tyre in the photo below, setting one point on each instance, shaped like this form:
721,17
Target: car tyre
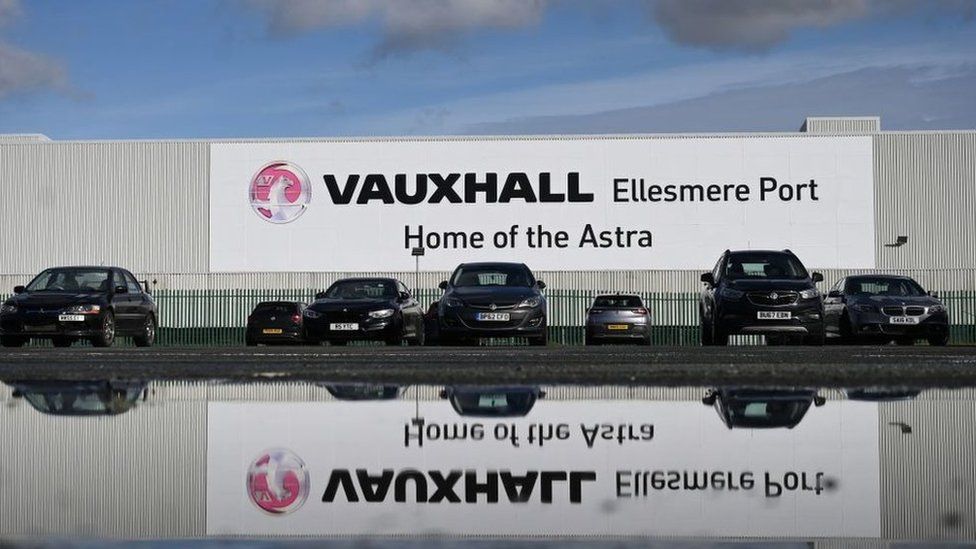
107,336
13,341
147,336
420,339
704,331
815,339
905,341
846,330
719,337
939,340
61,342
540,341
249,341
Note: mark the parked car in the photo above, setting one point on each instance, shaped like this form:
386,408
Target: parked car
363,391
884,308
492,300
761,292
747,408
492,401
66,304
365,309
274,322
618,318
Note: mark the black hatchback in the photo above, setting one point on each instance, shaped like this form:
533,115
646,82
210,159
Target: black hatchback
275,322
761,292
66,304
492,300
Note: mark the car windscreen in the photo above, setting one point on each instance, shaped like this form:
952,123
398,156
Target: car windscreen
764,265
893,287
493,275
283,308
618,302
70,280
362,289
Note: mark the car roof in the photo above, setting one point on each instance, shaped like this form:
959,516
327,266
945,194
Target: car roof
780,252
617,295
492,264
278,303
367,278
862,276
90,267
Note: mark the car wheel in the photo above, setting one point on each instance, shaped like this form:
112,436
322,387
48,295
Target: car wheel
939,340
704,332
147,336
107,336
249,341
12,341
61,342
905,341
816,339
846,330
719,337
540,341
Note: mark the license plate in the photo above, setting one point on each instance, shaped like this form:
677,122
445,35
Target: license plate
494,317
904,320
271,331
618,326
343,326
71,318
774,315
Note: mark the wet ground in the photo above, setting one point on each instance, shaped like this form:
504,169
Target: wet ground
919,366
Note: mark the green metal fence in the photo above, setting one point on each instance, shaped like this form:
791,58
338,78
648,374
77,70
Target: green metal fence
218,317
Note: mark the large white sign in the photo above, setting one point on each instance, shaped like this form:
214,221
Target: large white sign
580,468
556,204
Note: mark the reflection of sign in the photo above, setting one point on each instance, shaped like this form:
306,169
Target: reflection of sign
568,468
277,481
563,204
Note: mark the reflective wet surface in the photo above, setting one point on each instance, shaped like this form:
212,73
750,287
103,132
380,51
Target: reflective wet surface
169,459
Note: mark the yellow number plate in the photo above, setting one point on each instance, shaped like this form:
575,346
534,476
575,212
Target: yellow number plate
618,326
271,331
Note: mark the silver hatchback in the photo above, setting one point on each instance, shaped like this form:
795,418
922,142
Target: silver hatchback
618,318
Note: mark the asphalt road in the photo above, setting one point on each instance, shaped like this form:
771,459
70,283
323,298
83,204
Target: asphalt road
920,366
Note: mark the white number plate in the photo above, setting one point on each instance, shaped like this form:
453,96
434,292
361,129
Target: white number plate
494,317
774,315
71,318
343,326
904,320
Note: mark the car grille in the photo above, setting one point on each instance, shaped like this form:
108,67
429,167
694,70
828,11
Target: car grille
773,298
487,306
340,316
912,310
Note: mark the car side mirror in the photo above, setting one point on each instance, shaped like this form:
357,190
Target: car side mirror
540,284
710,396
319,295
404,296
834,293
19,289
934,294
120,289
819,401
442,393
542,394
708,278
442,285
817,277
17,394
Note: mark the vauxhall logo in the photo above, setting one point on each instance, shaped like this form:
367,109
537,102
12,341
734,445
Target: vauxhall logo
454,188
455,486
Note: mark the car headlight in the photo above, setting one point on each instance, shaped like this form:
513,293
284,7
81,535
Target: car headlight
454,302
88,309
812,293
382,313
936,309
864,308
531,302
8,308
309,313
731,293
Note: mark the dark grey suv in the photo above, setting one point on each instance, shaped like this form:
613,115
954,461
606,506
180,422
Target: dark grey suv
761,292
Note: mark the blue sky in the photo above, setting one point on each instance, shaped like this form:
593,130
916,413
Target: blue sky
255,68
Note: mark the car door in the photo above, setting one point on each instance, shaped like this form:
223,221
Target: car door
121,304
708,292
834,306
412,313
139,301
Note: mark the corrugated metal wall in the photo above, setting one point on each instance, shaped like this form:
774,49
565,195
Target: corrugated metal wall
144,205
841,124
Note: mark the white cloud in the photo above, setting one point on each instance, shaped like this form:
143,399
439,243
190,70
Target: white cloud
407,24
21,70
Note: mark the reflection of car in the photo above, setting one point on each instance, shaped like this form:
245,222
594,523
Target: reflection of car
275,322
761,408
363,391
881,394
761,292
884,308
65,304
492,401
618,318
81,398
365,309
492,300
